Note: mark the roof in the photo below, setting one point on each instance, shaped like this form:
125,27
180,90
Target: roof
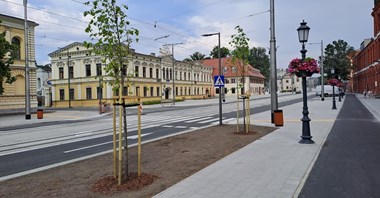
227,63
4,18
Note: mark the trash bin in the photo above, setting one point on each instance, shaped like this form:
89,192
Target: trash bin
278,118
40,113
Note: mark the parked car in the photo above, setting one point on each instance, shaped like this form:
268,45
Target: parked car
327,90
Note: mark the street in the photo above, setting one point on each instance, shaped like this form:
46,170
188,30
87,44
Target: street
32,148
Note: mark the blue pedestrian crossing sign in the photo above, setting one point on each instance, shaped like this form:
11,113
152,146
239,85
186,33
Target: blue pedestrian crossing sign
219,81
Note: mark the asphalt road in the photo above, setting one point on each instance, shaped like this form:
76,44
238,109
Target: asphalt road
348,164
157,124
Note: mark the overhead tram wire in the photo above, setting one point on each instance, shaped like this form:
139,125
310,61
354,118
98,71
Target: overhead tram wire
41,10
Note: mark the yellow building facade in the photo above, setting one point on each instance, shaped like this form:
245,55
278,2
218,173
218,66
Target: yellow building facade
79,78
13,98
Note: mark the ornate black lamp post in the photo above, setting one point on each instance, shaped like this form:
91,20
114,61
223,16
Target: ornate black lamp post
340,100
334,103
303,34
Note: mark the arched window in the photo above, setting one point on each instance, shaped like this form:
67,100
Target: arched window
16,48
38,83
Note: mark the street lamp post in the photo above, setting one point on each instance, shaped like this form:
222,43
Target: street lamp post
27,69
303,34
173,44
340,98
333,102
68,76
220,73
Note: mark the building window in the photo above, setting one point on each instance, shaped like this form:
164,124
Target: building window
88,70
125,91
189,76
157,73
98,69
145,91
176,91
71,94
61,73
181,91
136,71
180,76
233,90
158,91
151,72
171,74
38,83
16,48
71,72
88,93
137,91
233,80
99,92
144,72
184,75
176,75
124,70
61,94
151,91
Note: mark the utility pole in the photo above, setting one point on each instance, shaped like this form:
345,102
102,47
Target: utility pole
68,74
322,72
273,81
27,69
173,44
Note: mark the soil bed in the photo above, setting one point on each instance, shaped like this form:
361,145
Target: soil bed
164,162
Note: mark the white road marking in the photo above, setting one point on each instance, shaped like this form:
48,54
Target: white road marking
208,121
199,119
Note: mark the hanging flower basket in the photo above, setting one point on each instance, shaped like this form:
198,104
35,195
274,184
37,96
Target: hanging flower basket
334,82
304,68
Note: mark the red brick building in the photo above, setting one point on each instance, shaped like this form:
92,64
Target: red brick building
366,75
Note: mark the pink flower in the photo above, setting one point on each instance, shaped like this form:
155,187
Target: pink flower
309,65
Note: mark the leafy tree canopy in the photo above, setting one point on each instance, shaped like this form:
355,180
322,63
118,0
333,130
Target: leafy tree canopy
336,56
259,59
109,28
197,56
5,62
224,52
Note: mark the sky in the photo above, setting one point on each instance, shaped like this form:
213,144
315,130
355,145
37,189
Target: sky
61,22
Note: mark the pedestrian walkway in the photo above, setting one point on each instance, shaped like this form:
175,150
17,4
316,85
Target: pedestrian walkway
348,164
274,166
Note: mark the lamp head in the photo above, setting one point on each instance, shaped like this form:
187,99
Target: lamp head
212,34
303,32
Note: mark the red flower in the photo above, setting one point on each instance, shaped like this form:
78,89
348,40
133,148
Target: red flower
334,82
309,65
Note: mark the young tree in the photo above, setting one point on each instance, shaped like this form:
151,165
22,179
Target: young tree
224,52
260,60
5,61
240,58
336,56
109,30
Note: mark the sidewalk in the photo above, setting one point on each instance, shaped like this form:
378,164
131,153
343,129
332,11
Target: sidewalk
275,166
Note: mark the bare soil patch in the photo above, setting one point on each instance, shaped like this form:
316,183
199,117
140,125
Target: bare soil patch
165,162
